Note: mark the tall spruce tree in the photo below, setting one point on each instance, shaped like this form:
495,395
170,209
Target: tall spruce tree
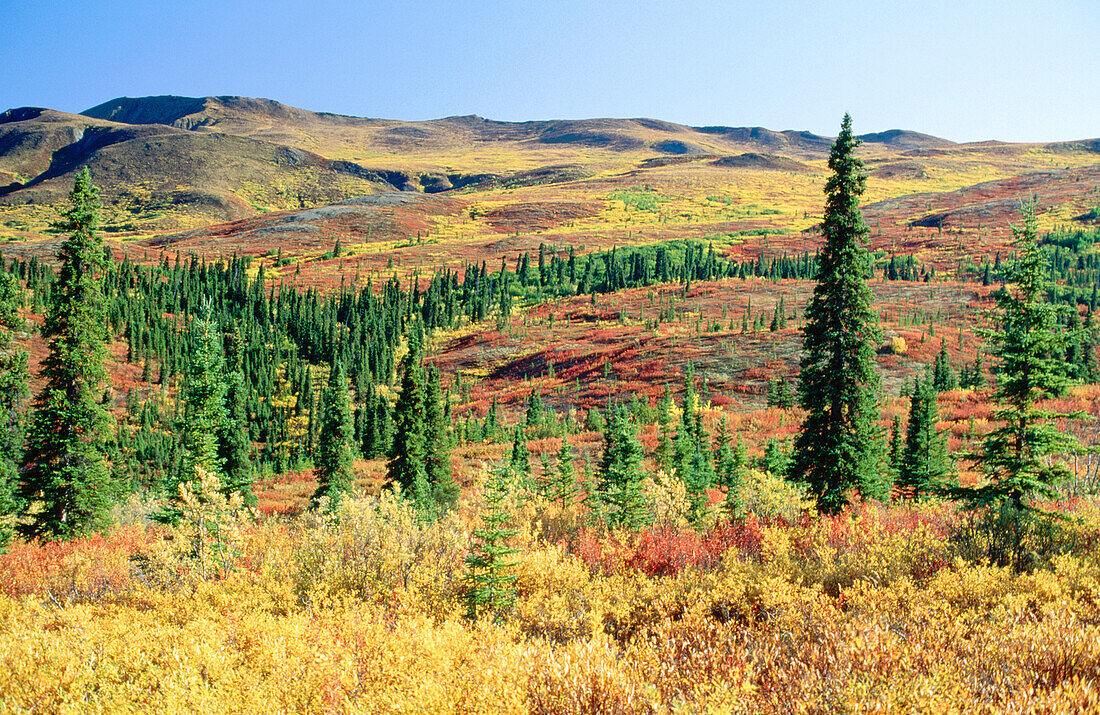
838,448
620,477
13,395
406,467
437,444
925,468
66,481
204,416
234,443
1016,456
334,454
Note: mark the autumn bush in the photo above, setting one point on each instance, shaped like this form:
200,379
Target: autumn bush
774,609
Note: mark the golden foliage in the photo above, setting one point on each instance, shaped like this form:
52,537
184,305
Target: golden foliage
871,610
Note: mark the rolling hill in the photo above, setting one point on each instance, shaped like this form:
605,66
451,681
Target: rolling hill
252,175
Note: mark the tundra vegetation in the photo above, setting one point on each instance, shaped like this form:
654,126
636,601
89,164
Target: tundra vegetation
231,493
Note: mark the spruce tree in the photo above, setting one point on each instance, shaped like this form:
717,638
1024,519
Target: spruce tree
728,468
520,459
13,395
66,482
620,476
838,449
437,444
334,455
203,418
665,450
489,578
534,409
406,467
943,377
234,442
925,467
896,450
566,481
1016,456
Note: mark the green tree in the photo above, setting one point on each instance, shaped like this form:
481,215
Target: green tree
234,443
13,395
406,467
838,449
896,449
943,377
566,481
534,409
437,439
780,394
520,459
204,416
620,476
1016,456
334,448
666,453
66,481
489,578
728,466
925,467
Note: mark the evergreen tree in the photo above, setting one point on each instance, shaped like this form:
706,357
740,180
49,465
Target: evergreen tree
837,449
943,377
234,444
1016,456
66,482
437,452
334,448
728,468
520,459
620,476
534,408
566,481
665,450
203,418
234,440
13,395
925,467
780,394
896,450
406,467
489,578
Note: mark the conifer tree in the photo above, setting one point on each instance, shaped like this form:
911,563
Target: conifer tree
534,408
896,449
943,377
334,448
234,444
1016,456
66,482
520,459
566,481
838,449
665,450
489,578
203,418
620,475
406,467
925,467
13,395
728,468
437,439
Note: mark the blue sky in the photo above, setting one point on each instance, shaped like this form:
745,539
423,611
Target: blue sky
967,71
